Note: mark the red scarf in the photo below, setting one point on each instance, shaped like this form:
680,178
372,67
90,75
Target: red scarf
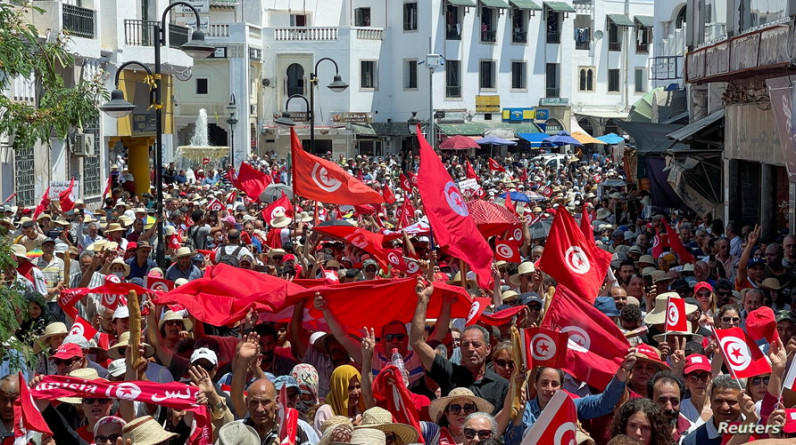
445,437
390,392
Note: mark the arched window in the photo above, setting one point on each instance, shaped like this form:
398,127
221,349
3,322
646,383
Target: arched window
681,18
582,79
590,79
295,79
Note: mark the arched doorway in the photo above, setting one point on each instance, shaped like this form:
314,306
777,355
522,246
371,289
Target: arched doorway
553,126
295,79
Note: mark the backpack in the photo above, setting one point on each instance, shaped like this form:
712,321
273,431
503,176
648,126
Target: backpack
191,241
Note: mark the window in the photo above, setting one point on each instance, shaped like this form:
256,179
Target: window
586,78
487,74
643,38
639,80
614,37
410,74
362,17
551,80
681,19
298,20
24,176
519,32
201,86
453,23
613,81
582,32
92,182
367,74
453,83
295,79
518,75
487,25
553,27
410,16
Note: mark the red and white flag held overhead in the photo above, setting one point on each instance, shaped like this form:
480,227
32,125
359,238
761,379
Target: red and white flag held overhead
495,166
469,170
83,328
281,205
406,184
557,424
67,198
676,320
387,193
252,181
572,260
477,307
288,419
27,417
741,354
507,250
215,205
545,347
43,204
454,228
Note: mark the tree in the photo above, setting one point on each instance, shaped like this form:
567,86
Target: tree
57,107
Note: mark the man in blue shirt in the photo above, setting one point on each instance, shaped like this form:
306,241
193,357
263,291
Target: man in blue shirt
183,267
140,263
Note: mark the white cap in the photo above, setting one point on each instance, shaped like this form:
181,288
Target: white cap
121,312
204,353
117,368
316,336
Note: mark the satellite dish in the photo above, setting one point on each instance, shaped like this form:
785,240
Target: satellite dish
184,75
598,35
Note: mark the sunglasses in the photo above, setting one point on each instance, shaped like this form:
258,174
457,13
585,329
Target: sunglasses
455,408
731,319
67,362
99,401
105,439
505,363
759,380
173,322
535,307
703,294
697,377
391,337
470,433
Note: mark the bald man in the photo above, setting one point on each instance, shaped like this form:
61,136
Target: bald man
9,393
619,295
262,406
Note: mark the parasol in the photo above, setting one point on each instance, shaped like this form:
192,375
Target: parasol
490,218
458,142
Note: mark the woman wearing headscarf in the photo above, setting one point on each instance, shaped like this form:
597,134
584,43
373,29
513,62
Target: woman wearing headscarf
345,397
307,378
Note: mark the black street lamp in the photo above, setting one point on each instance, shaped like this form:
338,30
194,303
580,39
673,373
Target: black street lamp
337,85
232,121
197,48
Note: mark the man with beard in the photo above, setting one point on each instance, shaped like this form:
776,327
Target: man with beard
726,406
626,270
666,391
272,362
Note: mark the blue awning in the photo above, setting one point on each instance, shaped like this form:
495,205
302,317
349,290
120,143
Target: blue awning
611,138
534,138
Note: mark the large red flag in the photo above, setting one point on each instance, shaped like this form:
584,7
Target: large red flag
468,168
66,197
454,229
507,250
321,180
585,225
43,204
557,424
572,260
406,212
288,419
545,347
387,193
495,166
281,205
395,397
741,354
83,328
406,184
252,181
509,204
27,416
677,245
596,345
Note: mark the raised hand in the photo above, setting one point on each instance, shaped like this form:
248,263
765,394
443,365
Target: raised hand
201,379
368,342
320,302
249,347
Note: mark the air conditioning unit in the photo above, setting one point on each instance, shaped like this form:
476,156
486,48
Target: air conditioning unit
83,145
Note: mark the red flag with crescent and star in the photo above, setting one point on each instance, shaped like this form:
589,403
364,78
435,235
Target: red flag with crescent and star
676,320
545,347
495,166
252,181
454,228
741,354
557,424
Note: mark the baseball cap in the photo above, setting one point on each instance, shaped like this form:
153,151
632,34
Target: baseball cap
786,315
755,262
121,312
696,362
206,354
285,380
117,368
68,350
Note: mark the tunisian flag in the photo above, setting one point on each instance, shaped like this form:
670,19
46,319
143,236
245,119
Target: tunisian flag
387,193
468,168
406,184
676,320
585,225
572,260
251,181
596,346
27,417
321,180
545,347
677,245
495,166
741,353
557,424
454,229
66,198
43,204
281,205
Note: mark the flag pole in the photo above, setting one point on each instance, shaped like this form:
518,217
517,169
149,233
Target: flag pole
463,272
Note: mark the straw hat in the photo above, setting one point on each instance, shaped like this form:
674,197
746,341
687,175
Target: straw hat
279,252
646,353
381,419
658,314
237,433
19,252
171,315
117,351
509,295
146,431
603,213
52,329
183,251
438,406
525,268
366,436
279,221
81,373
121,261
646,259
336,432
457,279
114,227
303,217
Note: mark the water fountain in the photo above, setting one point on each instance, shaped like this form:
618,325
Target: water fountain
200,147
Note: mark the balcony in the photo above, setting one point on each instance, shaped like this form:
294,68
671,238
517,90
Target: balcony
296,34
553,37
488,35
667,67
453,32
370,33
142,33
520,36
614,46
79,21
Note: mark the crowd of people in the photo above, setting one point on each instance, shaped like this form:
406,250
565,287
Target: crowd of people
462,378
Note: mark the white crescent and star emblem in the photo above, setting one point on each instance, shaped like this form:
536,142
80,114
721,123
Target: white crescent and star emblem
656,241
161,286
109,299
393,258
542,347
518,234
127,391
503,250
473,311
358,241
321,177
578,340
455,199
672,315
576,260
77,329
737,353
567,429
412,266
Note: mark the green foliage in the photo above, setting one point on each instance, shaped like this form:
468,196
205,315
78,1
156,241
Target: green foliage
13,306
23,53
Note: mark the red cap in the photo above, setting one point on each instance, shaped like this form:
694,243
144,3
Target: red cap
696,362
702,285
762,323
647,352
790,421
289,257
67,351
132,245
